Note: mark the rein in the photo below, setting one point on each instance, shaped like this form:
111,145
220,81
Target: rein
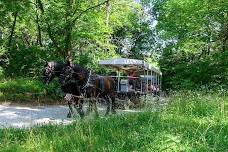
88,79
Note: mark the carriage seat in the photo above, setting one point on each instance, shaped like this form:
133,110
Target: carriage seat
124,86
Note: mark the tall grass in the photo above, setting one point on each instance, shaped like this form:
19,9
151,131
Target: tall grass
191,122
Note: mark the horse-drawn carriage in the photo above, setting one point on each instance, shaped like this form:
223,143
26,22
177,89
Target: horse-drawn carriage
134,78
78,83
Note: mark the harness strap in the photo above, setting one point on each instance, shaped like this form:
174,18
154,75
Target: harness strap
87,83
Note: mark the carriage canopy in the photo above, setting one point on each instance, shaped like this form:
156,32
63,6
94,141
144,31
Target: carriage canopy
149,75
126,64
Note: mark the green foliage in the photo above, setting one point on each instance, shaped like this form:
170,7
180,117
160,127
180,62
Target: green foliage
188,36
24,90
210,72
184,126
25,62
41,27
194,47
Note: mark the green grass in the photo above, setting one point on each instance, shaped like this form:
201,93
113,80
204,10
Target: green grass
25,89
191,122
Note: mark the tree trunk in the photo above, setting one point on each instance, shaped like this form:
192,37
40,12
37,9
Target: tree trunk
68,32
12,30
68,44
55,43
49,31
39,37
224,37
209,34
224,44
108,7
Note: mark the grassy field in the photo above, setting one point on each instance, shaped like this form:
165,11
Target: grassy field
191,122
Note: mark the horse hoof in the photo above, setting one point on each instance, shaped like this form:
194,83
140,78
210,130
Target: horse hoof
113,111
87,112
69,115
82,116
96,116
106,114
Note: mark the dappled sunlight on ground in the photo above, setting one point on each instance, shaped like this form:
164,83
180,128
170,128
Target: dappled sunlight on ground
22,116
27,116
18,116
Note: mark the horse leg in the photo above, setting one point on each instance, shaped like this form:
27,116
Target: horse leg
79,108
107,98
89,109
71,111
113,104
95,107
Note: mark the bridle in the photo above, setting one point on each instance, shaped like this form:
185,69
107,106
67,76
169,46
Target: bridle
49,71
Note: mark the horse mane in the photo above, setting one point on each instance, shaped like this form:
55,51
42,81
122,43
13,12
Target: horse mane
77,68
57,66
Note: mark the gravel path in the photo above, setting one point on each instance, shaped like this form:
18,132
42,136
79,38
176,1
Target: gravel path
26,116
18,116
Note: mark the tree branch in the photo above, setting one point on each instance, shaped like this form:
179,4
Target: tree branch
49,31
15,14
86,10
53,38
39,34
40,5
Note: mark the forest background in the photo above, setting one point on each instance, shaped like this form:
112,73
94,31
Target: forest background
187,39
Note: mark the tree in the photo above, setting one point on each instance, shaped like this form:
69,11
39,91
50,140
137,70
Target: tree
191,31
56,30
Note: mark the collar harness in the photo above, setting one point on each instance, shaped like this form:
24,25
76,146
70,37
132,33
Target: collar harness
88,82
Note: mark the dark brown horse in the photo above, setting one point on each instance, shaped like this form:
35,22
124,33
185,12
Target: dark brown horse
54,69
91,85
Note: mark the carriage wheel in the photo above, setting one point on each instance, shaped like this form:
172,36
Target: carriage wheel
122,101
134,98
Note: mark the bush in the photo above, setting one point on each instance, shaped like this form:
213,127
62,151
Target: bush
25,89
182,73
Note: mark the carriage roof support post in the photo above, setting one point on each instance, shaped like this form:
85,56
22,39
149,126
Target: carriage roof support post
156,82
151,79
147,81
141,85
157,79
160,82
118,81
144,89
142,80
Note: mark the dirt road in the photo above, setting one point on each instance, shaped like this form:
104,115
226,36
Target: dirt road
19,116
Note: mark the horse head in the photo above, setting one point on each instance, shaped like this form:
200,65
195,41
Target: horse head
48,72
52,69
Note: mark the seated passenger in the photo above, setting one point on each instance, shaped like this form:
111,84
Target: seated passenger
132,78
